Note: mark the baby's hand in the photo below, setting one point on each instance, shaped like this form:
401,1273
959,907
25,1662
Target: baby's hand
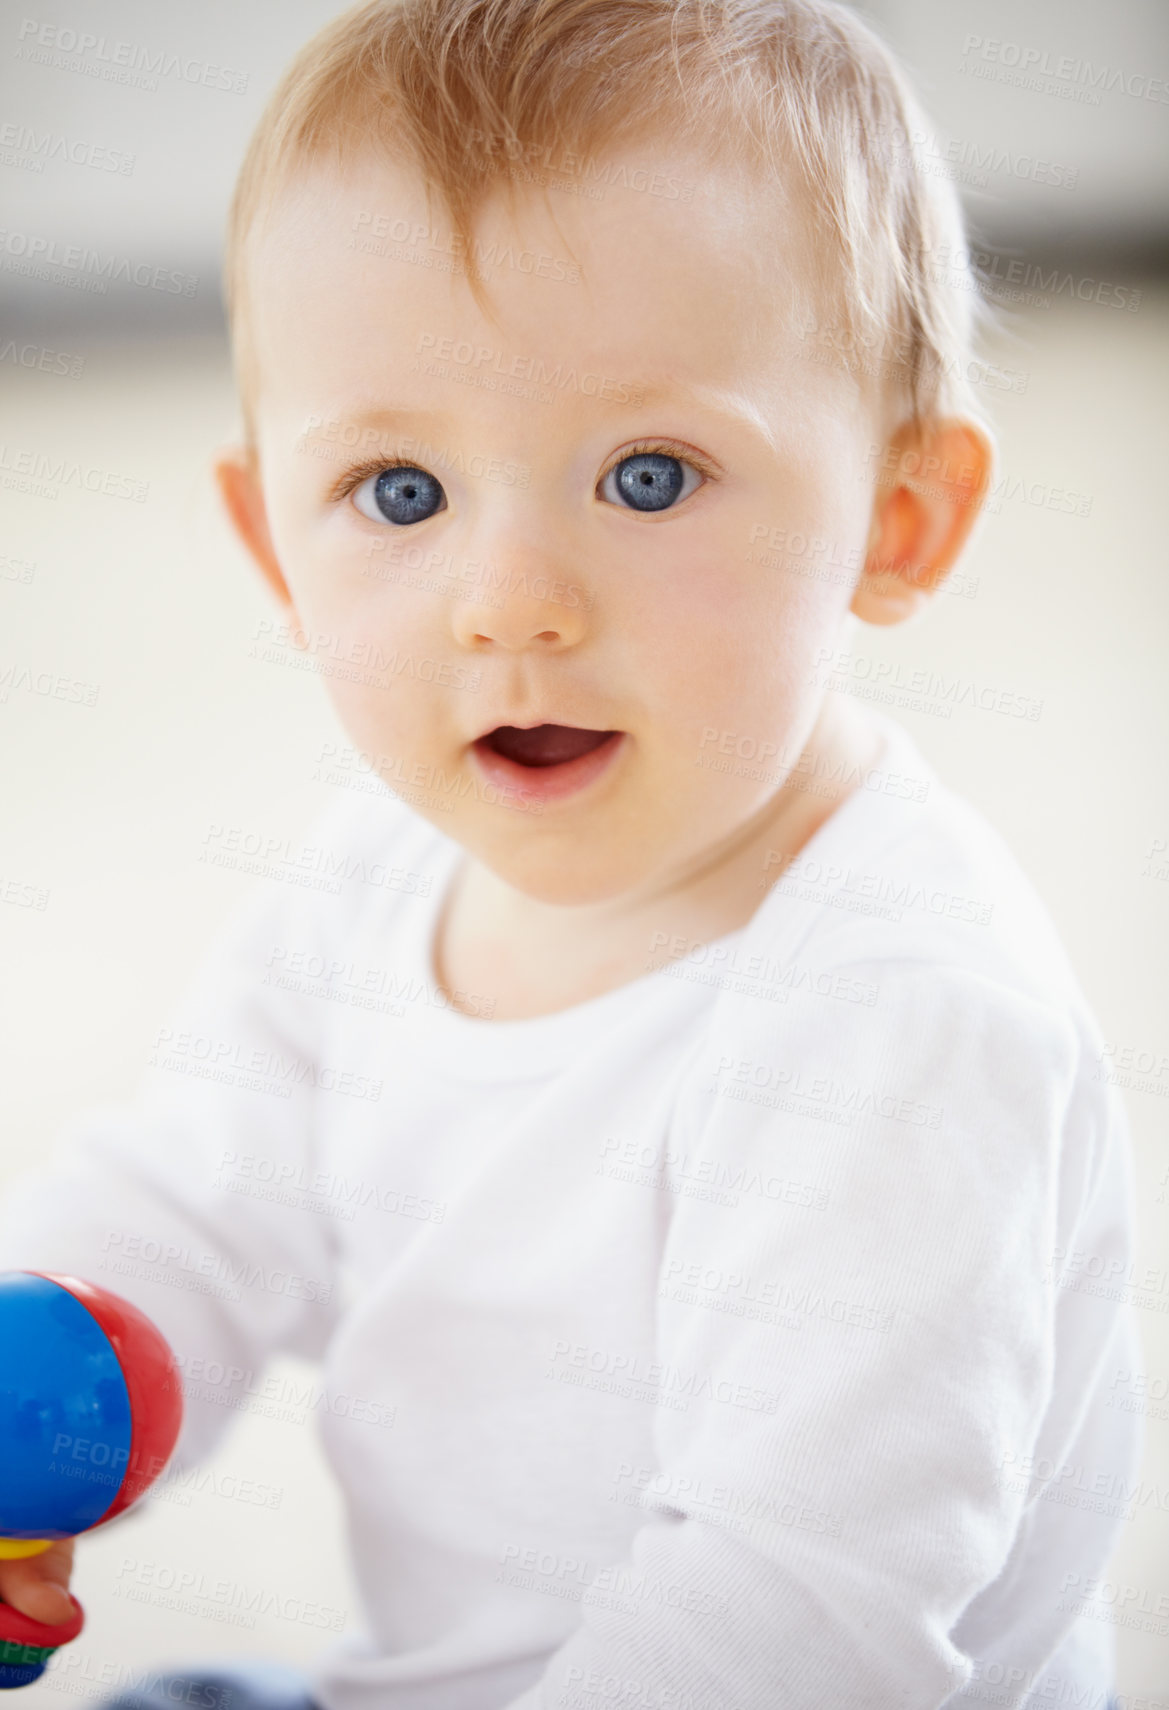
38,1585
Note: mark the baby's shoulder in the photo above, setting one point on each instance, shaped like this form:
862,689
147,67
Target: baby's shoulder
365,827
894,897
362,859
903,978
380,858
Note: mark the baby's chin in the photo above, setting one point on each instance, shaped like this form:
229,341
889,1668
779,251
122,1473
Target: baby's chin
570,870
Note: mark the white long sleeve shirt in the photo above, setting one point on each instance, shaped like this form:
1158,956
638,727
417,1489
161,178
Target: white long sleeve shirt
741,1339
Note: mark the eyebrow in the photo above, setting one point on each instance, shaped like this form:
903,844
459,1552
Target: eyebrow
715,401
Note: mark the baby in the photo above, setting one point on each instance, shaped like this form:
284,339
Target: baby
661,1105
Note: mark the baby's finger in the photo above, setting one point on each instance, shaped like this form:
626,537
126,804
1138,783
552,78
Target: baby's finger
38,1585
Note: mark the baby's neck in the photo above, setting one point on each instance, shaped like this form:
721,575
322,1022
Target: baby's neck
534,958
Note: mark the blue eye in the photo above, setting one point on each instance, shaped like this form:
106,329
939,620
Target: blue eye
648,480
402,494
643,480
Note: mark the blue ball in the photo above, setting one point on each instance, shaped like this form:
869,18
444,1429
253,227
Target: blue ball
65,1421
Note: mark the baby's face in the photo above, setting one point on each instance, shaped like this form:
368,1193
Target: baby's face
606,516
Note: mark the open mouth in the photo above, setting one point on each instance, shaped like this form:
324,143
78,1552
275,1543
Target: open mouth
546,764
543,744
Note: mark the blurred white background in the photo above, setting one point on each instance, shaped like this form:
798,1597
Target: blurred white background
151,603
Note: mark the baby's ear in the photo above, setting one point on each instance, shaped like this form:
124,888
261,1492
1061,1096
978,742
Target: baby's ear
237,475
931,483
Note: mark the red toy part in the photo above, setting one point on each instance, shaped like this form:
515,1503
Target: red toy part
23,1630
154,1385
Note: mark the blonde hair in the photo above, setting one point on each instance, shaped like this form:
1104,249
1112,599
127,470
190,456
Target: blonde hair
462,89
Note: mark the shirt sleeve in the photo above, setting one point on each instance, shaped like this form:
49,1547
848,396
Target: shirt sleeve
868,1270
193,1199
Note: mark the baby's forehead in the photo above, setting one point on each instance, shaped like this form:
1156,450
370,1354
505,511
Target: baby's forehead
673,259
640,208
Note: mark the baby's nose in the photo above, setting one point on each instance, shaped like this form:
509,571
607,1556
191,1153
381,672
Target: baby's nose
519,608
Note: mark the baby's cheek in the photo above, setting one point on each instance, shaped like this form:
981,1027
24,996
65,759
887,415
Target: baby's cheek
372,706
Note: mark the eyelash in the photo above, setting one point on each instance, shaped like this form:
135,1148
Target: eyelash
360,472
671,448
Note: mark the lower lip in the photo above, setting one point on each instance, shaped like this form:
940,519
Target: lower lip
548,783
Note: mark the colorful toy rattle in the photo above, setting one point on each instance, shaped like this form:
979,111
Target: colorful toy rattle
90,1409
